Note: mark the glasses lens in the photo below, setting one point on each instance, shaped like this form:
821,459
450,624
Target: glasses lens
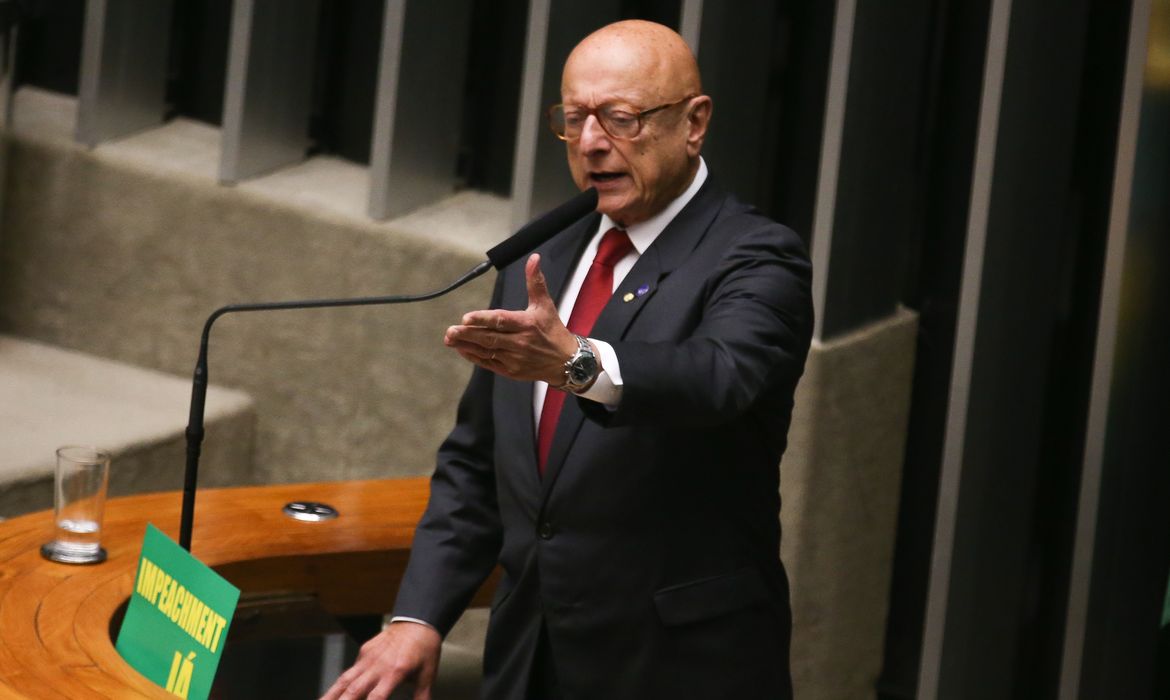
556,120
619,122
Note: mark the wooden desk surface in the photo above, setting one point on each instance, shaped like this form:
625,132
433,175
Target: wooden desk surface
55,639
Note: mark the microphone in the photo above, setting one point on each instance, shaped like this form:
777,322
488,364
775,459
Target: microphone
542,229
511,249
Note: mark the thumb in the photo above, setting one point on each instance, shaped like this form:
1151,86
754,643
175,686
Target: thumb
537,285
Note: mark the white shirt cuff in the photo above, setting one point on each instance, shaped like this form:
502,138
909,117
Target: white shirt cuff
415,620
607,389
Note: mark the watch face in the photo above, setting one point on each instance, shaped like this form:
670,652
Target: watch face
583,370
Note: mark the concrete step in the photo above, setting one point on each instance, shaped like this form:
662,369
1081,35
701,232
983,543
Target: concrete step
51,397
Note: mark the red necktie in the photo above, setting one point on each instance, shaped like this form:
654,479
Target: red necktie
595,293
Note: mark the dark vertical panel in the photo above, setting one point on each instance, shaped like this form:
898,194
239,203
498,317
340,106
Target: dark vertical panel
1027,234
1125,650
1031,370
568,24
735,43
199,45
346,76
796,111
879,178
495,60
48,52
1073,337
936,240
661,11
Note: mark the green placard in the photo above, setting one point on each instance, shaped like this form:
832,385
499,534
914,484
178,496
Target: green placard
178,618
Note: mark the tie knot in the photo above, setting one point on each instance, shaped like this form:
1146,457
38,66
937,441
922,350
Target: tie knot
614,246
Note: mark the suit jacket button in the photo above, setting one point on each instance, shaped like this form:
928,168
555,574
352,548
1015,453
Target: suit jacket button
545,530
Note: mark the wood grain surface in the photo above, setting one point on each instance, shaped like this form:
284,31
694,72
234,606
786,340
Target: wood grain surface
55,639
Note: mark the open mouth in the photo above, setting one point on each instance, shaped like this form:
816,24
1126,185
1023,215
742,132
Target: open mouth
605,177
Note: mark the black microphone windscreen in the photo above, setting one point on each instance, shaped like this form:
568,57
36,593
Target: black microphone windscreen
541,229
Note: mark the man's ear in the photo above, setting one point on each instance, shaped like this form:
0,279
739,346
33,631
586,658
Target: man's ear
698,117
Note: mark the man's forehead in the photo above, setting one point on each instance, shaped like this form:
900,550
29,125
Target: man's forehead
614,75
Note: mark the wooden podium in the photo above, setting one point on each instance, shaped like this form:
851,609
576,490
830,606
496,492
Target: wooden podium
56,639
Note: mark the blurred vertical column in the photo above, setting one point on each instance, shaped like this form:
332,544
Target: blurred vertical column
734,44
9,14
124,61
1117,644
540,179
1020,378
419,108
840,479
269,86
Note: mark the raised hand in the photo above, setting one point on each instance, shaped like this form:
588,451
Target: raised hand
526,345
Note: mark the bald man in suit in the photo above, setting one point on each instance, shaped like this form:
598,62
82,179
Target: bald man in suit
616,450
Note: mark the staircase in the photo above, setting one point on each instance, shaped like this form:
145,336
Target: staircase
51,397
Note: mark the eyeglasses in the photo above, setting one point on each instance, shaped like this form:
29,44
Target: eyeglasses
618,120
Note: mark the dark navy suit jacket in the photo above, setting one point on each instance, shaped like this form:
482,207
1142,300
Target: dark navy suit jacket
650,549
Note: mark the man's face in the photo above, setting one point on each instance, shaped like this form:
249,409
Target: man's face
635,178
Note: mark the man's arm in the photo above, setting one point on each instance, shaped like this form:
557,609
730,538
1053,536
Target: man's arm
457,542
455,547
755,329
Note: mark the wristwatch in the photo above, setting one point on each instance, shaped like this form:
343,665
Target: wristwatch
581,369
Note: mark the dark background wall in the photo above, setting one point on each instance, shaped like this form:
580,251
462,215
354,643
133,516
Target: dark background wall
901,218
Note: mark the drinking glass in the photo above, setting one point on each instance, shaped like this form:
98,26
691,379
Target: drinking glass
79,500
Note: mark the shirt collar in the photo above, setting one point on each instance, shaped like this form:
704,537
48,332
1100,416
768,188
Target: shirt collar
642,234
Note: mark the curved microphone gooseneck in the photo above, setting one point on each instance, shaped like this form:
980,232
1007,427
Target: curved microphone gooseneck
530,236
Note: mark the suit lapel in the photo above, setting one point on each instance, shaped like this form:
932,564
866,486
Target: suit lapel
557,258
666,254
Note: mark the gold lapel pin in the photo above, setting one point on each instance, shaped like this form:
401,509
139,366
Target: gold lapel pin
628,297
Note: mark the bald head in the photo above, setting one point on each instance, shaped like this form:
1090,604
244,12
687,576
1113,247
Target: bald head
639,116
653,54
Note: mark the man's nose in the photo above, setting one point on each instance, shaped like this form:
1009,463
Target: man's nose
593,137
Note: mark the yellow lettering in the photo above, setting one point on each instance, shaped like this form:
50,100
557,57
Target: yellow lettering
160,593
180,602
220,622
161,582
156,582
185,613
179,679
183,608
164,595
182,595
173,589
192,627
176,661
190,614
142,587
201,629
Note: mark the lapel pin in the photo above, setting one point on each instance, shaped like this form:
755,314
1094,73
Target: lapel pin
643,289
628,297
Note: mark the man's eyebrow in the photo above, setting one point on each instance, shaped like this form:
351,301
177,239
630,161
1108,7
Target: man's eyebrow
616,102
